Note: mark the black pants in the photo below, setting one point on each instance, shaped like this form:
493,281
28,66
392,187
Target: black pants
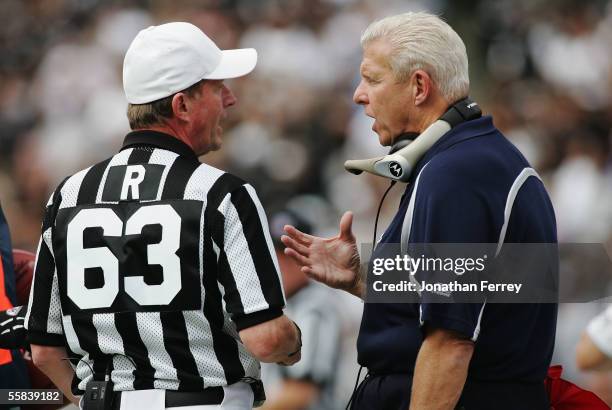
392,392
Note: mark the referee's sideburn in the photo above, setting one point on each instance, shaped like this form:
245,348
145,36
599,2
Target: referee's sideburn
156,274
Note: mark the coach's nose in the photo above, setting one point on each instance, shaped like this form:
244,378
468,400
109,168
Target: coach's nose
361,96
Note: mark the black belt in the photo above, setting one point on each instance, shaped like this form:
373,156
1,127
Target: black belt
210,395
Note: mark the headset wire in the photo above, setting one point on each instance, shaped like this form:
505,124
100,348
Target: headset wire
382,200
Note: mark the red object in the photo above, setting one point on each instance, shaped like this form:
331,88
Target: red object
5,303
23,261
564,395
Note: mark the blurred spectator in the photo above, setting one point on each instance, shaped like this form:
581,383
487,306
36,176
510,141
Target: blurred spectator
594,352
310,383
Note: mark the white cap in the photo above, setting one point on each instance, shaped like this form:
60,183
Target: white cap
166,59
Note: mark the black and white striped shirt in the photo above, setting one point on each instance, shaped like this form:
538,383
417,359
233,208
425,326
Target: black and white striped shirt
155,256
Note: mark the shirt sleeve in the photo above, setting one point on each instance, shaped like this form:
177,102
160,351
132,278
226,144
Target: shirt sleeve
248,267
600,331
450,209
44,318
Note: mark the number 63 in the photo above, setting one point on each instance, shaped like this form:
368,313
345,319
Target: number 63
79,258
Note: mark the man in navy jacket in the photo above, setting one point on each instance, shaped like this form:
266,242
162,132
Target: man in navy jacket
471,186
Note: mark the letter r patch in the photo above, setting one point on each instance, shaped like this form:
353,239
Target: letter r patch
134,175
137,182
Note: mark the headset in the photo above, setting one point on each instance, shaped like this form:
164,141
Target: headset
408,150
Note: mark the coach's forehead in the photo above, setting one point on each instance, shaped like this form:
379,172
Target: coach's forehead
376,56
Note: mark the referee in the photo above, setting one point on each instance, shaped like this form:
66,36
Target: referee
157,272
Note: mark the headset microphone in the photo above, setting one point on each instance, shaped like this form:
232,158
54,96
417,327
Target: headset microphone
399,163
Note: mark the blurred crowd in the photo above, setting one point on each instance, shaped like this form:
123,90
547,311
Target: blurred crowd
542,69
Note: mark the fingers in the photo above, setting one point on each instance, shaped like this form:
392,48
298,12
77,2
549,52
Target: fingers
300,259
293,359
346,223
297,250
295,245
298,235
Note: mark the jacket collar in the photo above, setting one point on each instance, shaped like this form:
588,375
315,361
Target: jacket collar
464,131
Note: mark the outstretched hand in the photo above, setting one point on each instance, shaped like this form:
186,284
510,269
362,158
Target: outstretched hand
333,261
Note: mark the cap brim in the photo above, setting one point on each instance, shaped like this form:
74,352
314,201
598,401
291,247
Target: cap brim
234,63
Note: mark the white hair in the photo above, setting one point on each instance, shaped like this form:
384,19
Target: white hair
423,41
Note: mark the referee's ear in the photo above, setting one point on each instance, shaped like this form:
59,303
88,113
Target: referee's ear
180,106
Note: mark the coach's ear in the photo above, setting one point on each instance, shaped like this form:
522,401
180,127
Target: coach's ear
421,86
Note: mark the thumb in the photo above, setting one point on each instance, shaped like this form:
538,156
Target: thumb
346,223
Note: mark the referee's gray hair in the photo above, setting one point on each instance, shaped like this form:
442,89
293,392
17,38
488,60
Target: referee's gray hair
423,41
